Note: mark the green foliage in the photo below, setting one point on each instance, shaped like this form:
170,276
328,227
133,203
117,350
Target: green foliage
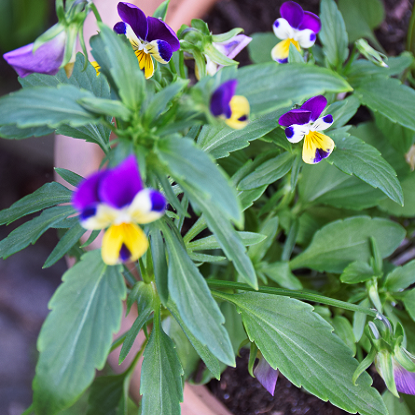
261,46
401,277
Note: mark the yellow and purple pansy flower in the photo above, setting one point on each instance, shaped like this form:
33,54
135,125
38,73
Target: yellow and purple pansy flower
294,26
149,37
116,199
234,109
304,122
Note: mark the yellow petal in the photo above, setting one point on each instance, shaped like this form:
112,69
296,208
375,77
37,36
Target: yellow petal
317,146
124,236
96,66
239,112
282,49
145,62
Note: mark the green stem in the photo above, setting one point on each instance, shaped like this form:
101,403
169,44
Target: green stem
181,65
172,66
96,12
300,295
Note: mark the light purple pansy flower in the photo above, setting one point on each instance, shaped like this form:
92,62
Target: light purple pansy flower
404,380
305,123
234,109
266,375
149,37
116,199
46,60
295,26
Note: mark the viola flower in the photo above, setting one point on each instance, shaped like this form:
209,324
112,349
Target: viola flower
266,375
46,60
305,123
294,26
116,199
404,380
234,109
149,37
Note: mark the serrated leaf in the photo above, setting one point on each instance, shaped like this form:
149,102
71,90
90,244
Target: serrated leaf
333,33
210,242
31,231
354,156
357,271
401,277
161,375
50,194
337,244
197,308
71,177
269,86
301,345
76,337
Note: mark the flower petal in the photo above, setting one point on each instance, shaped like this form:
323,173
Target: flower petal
147,206
124,242
282,29
211,68
86,196
404,380
98,217
295,133
297,116
323,123
316,105
239,112
157,29
266,375
134,17
281,50
120,185
145,62
293,13
160,51
310,21
306,38
233,46
120,28
47,58
221,98
317,147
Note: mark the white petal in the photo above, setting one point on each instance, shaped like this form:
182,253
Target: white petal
296,132
211,67
282,29
104,217
306,38
323,123
141,208
132,37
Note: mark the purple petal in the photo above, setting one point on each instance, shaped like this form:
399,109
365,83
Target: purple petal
120,28
233,46
133,16
297,116
219,103
86,197
157,29
310,21
47,59
125,253
121,184
266,375
404,380
320,155
316,105
164,50
293,13
158,201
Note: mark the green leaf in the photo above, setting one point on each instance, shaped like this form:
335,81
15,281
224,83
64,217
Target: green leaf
409,303
224,37
31,231
208,358
344,241
161,375
390,98
76,337
395,405
333,34
280,273
119,64
72,178
197,257
269,228
344,330
268,172
217,56
294,55
191,166
161,10
107,107
50,194
356,272
210,242
269,86
301,345
354,156
343,111
359,320
13,132
401,277
220,141
260,47
197,308
68,241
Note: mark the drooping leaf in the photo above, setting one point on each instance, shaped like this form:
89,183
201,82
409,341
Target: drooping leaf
344,241
76,337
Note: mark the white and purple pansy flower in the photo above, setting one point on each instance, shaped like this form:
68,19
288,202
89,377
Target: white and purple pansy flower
294,26
116,199
266,375
149,37
234,109
304,122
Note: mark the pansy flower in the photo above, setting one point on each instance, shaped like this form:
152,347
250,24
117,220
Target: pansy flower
294,26
116,199
266,375
149,37
234,109
305,123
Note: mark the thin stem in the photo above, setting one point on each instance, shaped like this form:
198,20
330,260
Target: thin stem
181,65
96,12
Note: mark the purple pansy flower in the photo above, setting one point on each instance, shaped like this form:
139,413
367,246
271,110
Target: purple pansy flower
266,375
47,59
116,199
404,380
234,109
150,37
294,26
305,123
